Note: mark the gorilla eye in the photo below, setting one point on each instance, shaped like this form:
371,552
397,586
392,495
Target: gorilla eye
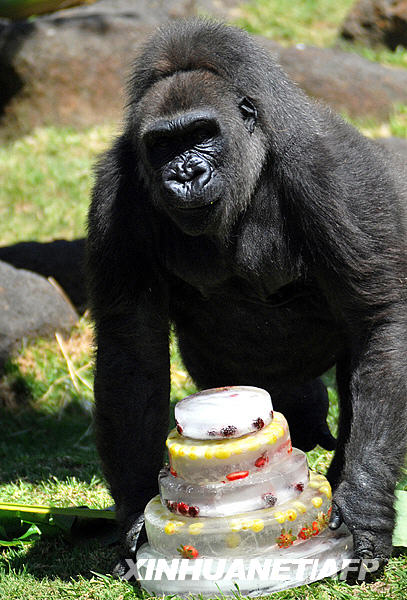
249,113
162,143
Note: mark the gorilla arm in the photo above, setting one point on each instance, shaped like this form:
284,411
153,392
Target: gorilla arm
360,261
130,308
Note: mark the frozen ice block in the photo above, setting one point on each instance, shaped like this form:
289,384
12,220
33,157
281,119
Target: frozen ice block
251,533
330,551
206,461
263,488
227,412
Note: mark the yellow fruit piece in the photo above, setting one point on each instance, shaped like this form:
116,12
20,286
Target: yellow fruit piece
235,524
317,501
246,523
257,525
300,507
279,516
315,485
319,477
192,453
222,453
291,515
252,444
175,448
271,438
170,528
233,540
326,489
195,528
209,453
181,452
279,430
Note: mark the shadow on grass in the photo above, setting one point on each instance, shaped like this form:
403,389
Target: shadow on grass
38,449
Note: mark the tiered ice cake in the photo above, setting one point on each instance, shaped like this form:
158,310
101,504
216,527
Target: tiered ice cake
234,487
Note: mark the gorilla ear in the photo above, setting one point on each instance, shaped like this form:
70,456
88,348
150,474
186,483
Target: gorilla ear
249,112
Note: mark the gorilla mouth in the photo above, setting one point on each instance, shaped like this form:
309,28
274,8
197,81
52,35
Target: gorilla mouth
194,207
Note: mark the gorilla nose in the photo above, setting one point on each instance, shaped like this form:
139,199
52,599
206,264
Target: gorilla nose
193,168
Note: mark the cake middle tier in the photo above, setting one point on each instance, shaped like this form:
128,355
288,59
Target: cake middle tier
267,487
206,461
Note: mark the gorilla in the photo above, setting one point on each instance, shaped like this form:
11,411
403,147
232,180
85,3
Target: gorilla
272,236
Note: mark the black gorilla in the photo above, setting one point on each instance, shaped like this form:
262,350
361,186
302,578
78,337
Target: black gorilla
273,236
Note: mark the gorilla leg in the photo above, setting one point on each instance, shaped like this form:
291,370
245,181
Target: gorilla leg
306,409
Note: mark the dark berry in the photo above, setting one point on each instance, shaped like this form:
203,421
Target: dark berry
299,487
182,508
269,499
193,511
258,423
228,430
172,506
212,433
179,428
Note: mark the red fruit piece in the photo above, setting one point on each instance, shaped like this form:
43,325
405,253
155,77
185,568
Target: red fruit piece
228,430
173,472
179,428
258,423
188,551
305,533
237,475
193,511
299,487
182,508
261,461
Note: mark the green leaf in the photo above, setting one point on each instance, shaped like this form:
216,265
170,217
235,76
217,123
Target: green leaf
400,531
32,534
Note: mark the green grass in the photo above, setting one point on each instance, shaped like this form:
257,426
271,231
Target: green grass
303,21
46,183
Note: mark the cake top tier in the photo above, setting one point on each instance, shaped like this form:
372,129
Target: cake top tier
227,412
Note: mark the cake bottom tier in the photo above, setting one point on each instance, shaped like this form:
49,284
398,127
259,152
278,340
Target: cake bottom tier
254,532
319,557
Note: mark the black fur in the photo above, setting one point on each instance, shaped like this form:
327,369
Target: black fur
293,259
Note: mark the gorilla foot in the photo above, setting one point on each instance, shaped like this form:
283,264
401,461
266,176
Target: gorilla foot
371,549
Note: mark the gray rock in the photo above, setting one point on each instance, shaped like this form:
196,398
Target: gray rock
61,259
344,80
377,23
29,307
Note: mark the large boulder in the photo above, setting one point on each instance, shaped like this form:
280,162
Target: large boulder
30,306
377,22
62,260
69,68
344,80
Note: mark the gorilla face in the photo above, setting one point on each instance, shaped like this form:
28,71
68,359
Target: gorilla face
190,164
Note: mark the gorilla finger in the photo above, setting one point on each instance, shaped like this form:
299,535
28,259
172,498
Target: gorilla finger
336,517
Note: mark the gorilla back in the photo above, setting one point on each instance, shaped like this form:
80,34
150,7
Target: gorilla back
273,235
